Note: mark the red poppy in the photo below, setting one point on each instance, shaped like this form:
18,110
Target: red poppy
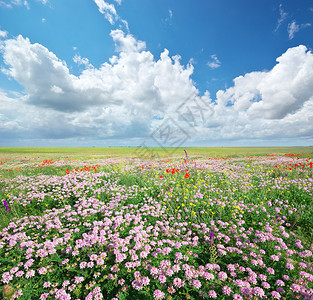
161,176
187,175
168,170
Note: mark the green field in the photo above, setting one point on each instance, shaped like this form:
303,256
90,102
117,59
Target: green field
129,223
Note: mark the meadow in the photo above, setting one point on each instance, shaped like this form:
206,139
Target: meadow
127,223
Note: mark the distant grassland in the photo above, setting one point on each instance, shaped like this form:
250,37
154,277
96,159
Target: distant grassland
206,151
135,151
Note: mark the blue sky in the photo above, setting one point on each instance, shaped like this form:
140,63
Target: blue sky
121,72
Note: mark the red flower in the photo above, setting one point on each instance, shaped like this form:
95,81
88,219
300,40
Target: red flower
187,175
161,176
168,170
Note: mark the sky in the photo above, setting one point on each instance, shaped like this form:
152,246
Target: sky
168,73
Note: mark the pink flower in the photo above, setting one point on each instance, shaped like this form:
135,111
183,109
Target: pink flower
178,282
47,284
178,255
145,280
83,265
237,297
157,294
276,295
30,273
280,282
208,276
212,294
266,285
120,257
295,287
222,276
259,292
227,290
78,280
137,285
162,278
196,284
121,281
171,290
14,270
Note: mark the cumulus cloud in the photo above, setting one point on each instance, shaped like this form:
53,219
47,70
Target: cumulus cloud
215,63
3,34
108,10
133,94
119,99
276,93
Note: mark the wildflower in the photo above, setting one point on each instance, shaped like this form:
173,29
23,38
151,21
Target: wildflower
47,284
157,294
121,281
178,282
196,284
162,278
212,294
276,295
145,281
222,276
295,287
280,282
259,292
137,285
226,290
171,290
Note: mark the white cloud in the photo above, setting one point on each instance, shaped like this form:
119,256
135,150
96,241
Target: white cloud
12,3
132,94
56,89
82,61
43,20
108,10
120,98
3,34
125,24
293,28
126,43
119,2
282,18
170,13
215,63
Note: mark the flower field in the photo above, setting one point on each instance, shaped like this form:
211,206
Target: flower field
180,227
